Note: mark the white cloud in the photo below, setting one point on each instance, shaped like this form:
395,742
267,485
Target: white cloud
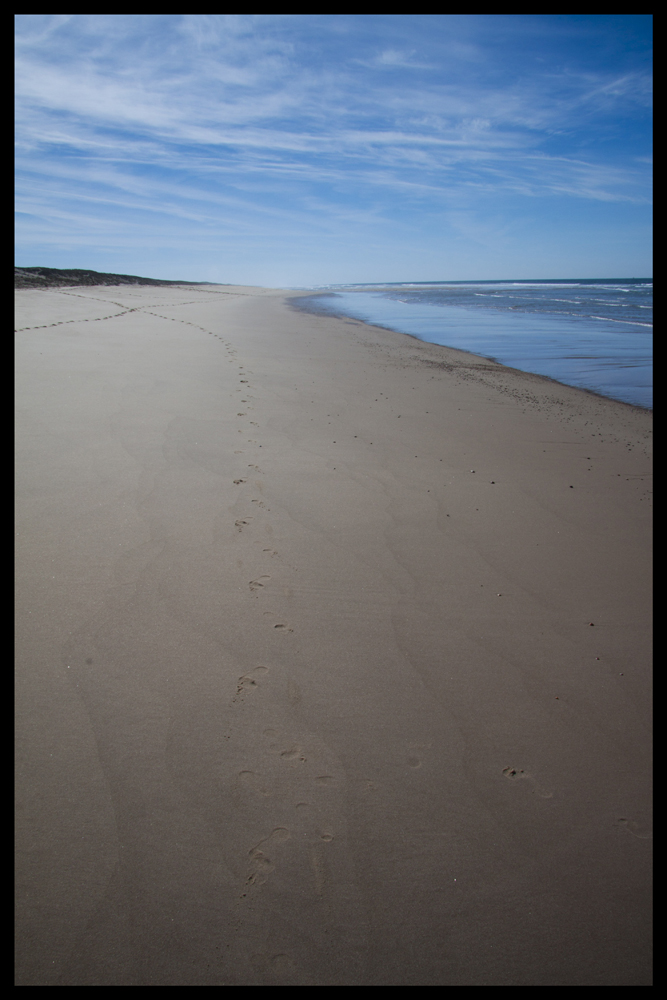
312,119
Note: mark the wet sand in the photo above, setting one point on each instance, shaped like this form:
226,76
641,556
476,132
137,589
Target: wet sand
333,655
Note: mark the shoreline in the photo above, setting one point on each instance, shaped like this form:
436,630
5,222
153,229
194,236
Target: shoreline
343,316
333,654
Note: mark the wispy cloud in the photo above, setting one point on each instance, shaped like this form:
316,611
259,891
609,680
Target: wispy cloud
290,116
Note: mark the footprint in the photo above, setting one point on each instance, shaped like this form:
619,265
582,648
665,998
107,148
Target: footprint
293,753
260,868
283,628
365,785
634,828
515,774
261,864
260,582
241,523
237,482
413,753
280,964
324,779
249,680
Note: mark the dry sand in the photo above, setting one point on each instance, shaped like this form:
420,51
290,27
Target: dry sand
308,691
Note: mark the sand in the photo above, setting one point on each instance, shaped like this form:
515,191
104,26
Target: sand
332,655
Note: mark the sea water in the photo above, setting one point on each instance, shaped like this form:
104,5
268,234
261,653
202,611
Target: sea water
594,334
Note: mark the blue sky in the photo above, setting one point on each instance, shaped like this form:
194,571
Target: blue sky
290,150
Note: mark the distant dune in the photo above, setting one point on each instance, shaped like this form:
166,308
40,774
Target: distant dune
49,277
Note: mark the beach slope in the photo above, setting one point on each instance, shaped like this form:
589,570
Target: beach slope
333,655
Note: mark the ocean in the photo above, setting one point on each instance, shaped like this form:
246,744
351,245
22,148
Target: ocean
594,334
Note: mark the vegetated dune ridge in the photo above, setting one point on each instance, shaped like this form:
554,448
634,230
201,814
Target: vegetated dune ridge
53,277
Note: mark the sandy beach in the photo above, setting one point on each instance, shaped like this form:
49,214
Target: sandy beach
333,655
